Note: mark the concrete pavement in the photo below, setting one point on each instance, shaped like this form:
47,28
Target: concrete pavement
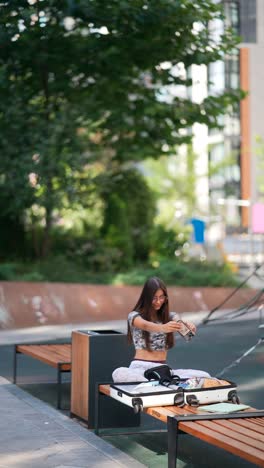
35,435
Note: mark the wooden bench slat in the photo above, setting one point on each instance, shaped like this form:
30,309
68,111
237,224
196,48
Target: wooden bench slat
250,429
248,424
253,455
40,349
41,355
49,354
60,350
46,346
63,353
59,357
105,389
158,412
226,430
39,352
260,422
259,426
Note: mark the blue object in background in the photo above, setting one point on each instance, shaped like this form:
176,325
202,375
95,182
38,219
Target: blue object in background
198,230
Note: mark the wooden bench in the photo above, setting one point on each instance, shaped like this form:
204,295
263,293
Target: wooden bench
55,355
240,433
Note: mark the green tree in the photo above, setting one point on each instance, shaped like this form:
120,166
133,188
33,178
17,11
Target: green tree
117,233
131,191
92,80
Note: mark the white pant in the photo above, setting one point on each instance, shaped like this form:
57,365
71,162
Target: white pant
135,372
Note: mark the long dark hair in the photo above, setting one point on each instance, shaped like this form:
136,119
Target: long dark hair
144,307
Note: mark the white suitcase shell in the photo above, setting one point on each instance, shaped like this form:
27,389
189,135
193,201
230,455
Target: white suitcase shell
206,396
140,395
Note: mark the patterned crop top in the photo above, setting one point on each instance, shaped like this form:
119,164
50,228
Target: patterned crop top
157,340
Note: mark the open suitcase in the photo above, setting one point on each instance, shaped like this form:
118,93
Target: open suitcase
140,395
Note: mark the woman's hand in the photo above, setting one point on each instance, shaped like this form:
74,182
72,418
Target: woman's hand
171,327
191,326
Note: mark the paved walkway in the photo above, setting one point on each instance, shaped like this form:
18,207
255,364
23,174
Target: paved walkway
35,435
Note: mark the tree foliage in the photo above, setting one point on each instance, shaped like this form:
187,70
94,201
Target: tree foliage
128,196
85,81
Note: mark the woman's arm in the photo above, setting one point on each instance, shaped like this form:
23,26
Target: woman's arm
169,327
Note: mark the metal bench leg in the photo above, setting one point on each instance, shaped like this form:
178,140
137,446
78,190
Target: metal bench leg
59,387
173,434
15,365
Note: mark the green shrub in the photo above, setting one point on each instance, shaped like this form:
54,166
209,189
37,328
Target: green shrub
179,273
166,241
8,271
174,272
33,276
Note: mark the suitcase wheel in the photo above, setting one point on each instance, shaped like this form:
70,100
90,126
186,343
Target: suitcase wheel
137,405
137,408
192,400
234,398
179,399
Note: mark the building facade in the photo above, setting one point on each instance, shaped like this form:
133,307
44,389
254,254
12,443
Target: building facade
251,79
239,144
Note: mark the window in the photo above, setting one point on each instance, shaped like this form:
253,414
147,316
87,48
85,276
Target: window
247,18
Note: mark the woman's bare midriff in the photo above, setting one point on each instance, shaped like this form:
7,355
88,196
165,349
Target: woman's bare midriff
150,355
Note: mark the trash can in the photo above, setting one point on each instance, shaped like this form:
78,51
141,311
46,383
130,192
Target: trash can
95,354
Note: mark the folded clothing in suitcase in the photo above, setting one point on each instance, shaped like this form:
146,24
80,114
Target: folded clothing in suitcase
210,390
194,392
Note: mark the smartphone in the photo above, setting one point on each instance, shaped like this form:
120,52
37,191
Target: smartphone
185,331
